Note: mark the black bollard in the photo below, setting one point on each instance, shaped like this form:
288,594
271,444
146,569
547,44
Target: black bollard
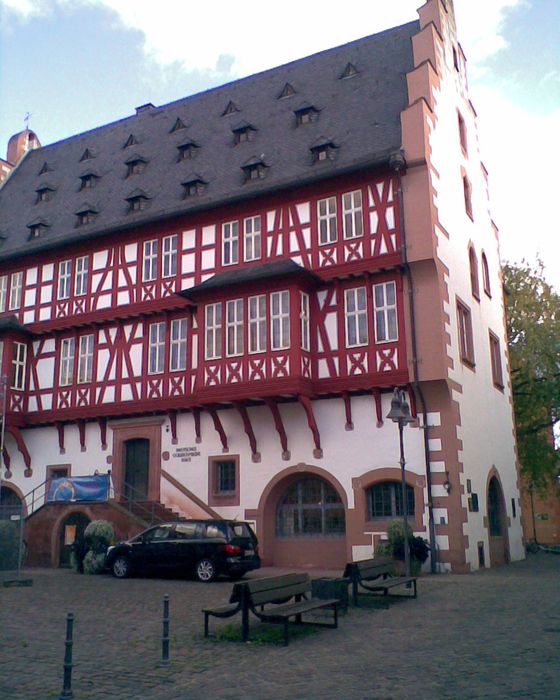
67,684
165,636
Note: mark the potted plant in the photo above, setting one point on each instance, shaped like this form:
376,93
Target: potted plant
394,547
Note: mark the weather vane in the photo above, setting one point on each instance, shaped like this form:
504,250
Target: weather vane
26,120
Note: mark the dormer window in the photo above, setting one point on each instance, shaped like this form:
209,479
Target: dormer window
187,150
137,200
131,141
46,168
349,72
178,125
287,91
87,154
135,165
194,186
85,215
243,132
254,169
37,228
231,108
306,114
88,181
44,193
323,149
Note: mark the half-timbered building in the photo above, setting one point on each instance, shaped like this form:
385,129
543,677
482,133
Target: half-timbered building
213,300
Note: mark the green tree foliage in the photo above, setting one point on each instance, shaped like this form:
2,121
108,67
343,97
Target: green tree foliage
533,326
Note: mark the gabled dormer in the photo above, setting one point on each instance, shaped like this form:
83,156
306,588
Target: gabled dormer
85,214
323,149
242,132
138,200
194,185
255,168
231,108
45,192
187,150
177,126
38,228
306,114
136,165
88,180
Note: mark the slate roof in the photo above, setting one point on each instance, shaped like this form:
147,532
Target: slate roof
250,273
360,114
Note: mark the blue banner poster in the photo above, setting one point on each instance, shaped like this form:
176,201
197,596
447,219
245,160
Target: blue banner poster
80,488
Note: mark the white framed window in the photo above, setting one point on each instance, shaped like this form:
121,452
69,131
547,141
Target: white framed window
355,313
257,323
3,292
67,352
170,256
234,327
280,320
352,214
19,359
252,238
64,279
149,261
178,345
304,320
213,326
82,275
230,243
385,312
326,219
85,359
16,284
156,348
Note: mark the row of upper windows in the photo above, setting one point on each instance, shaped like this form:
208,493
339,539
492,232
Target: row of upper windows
240,239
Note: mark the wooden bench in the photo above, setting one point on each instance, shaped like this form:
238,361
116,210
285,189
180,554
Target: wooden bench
275,599
377,576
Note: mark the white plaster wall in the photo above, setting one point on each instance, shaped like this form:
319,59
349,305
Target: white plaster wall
486,419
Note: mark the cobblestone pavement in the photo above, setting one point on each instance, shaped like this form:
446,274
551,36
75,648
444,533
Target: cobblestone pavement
493,634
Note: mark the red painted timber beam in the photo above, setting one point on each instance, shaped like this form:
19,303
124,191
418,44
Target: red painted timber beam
219,428
279,425
249,430
306,403
18,437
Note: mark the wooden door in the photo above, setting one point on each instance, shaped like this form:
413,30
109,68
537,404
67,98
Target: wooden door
137,469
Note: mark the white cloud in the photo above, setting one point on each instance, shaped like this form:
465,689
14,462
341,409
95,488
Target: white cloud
521,151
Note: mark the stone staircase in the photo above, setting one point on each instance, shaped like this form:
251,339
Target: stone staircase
151,512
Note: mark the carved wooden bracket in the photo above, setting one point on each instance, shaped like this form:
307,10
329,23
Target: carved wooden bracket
103,432
82,431
18,437
60,430
279,425
249,431
378,409
172,415
348,410
196,416
219,429
306,403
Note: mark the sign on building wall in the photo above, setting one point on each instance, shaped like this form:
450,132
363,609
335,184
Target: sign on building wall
80,488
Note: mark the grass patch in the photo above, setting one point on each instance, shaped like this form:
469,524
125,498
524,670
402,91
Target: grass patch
264,634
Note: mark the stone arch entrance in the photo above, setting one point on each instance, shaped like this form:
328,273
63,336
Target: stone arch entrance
10,498
304,520
71,534
497,523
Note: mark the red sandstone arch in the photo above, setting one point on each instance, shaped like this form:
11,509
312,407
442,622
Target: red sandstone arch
308,552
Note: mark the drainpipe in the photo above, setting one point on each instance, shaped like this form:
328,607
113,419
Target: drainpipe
398,164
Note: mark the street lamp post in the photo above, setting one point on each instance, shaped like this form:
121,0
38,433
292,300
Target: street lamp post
400,414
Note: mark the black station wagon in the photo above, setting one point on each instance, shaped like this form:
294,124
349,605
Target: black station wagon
205,548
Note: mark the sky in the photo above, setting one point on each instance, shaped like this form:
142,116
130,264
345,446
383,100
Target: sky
77,64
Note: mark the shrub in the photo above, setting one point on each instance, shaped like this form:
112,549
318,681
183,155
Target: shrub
99,534
418,547
94,562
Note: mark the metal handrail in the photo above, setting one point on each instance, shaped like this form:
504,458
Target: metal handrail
134,499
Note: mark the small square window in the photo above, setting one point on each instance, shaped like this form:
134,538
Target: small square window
223,480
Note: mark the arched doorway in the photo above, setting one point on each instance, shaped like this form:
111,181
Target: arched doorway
9,498
306,523
497,524
136,469
71,535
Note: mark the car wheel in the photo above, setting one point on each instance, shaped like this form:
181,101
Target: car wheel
121,567
206,570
